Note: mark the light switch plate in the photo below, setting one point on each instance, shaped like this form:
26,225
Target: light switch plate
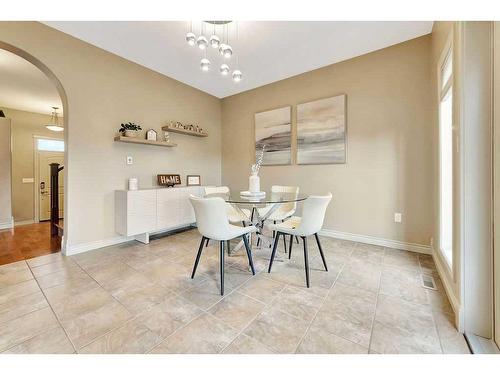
397,217
130,160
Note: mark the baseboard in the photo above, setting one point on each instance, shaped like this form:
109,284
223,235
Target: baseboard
94,245
24,222
88,246
7,224
418,248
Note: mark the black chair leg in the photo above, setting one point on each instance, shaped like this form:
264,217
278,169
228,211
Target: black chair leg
321,251
284,243
273,254
249,253
198,256
306,260
221,268
290,248
206,245
297,239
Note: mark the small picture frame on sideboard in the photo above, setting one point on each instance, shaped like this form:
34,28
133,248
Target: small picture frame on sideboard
193,180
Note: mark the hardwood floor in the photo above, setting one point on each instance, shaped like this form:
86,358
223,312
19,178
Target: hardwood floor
26,242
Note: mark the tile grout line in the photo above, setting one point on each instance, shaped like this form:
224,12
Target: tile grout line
120,326
177,329
317,312
432,310
133,315
204,311
266,305
52,309
269,305
376,304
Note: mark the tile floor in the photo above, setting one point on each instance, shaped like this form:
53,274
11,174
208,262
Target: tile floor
136,298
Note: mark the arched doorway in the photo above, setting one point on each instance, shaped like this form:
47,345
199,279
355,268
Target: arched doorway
18,236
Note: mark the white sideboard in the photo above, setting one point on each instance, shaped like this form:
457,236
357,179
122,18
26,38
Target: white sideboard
138,213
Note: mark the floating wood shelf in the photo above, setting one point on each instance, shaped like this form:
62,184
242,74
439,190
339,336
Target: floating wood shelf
184,131
144,141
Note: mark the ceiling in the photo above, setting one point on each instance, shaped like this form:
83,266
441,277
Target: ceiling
267,51
23,86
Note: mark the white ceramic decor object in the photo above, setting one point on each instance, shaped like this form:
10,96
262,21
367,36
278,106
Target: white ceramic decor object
254,183
133,183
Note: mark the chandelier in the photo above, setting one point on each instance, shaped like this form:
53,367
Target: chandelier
216,39
54,121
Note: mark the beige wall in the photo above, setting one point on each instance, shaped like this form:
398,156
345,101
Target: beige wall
25,125
102,91
5,175
389,125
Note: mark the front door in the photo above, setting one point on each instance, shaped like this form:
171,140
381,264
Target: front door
45,158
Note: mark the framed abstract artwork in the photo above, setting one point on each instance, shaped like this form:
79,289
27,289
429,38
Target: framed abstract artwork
273,129
321,131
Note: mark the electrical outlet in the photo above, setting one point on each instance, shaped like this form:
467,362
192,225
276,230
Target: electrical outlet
130,160
397,217
432,242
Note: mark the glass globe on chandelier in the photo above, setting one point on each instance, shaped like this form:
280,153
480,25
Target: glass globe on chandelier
224,69
214,41
227,51
190,39
205,64
202,42
237,75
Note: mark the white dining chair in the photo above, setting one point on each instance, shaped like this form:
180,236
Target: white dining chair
213,224
284,211
233,215
311,222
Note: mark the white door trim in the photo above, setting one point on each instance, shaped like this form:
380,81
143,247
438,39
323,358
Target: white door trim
36,173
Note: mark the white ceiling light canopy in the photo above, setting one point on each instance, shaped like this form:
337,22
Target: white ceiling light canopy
54,121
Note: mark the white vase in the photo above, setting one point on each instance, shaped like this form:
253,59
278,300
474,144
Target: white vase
254,183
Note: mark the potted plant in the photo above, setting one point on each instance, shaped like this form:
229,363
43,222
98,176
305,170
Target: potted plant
130,129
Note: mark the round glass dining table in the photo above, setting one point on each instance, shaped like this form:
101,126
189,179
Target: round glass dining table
268,198
255,216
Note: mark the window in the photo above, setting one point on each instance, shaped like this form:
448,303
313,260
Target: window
446,156
44,144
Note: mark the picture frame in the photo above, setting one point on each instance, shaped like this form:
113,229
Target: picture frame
151,135
322,131
193,180
273,129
